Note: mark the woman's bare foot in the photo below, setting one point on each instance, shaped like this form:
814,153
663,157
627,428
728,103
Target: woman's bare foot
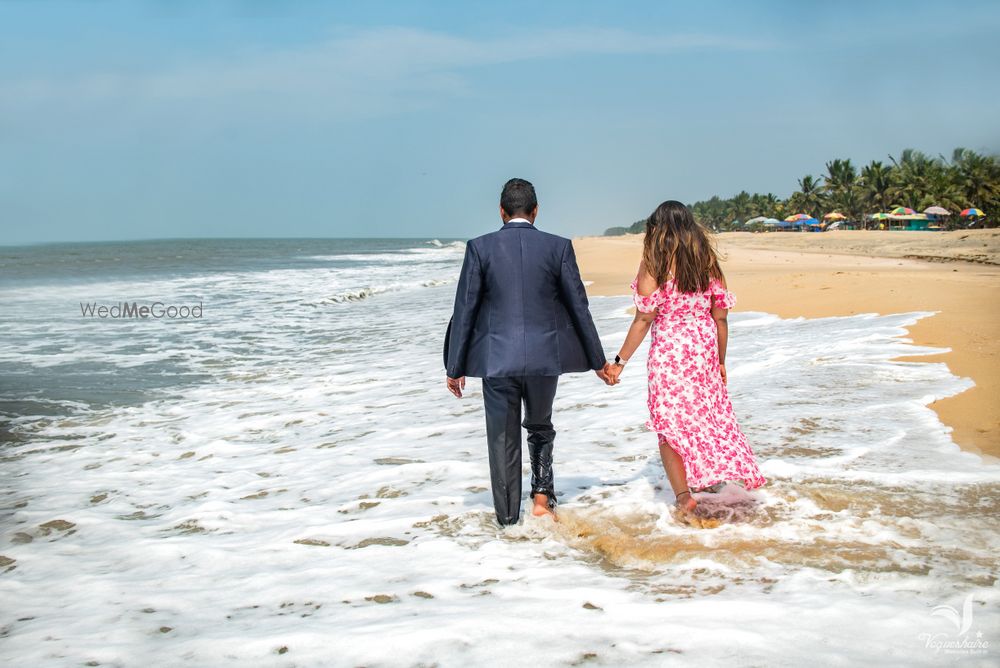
685,502
542,507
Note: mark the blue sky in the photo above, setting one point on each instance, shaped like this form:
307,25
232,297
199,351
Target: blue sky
126,120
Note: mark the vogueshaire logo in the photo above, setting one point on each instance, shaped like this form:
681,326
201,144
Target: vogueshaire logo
962,641
123,310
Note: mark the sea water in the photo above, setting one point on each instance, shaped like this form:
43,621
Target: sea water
286,481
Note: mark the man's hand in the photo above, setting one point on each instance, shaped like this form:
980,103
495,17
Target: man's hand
722,370
456,385
605,373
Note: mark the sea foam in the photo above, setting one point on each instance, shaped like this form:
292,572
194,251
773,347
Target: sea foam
299,486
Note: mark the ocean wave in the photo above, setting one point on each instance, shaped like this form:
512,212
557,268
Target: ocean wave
361,294
436,243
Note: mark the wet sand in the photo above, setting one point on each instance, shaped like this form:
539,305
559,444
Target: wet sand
956,274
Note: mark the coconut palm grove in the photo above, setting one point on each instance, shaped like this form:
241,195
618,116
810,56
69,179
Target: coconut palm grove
913,191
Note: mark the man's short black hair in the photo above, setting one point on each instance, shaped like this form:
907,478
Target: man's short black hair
518,198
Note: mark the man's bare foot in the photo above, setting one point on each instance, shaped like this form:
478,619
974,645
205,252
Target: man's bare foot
542,507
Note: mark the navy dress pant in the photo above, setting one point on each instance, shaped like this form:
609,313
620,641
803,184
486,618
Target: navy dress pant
502,397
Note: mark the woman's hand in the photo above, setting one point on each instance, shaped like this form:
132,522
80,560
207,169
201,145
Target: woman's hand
722,370
613,372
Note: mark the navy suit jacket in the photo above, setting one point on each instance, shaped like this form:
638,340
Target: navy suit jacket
520,308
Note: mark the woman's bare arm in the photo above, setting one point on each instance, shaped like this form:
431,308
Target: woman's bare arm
720,315
640,323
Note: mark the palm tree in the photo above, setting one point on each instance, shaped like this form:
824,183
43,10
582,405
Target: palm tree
876,186
711,213
976,177
914,172
739,206
841,188
764,205
809,197
840,176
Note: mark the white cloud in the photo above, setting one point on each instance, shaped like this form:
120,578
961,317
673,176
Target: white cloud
360,72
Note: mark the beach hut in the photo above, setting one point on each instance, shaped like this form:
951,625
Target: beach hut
916,221
880,219
936,215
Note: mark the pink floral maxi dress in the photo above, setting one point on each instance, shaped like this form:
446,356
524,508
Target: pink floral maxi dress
689,405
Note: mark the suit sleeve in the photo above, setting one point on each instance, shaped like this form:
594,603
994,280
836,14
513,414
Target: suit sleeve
468,297
575,298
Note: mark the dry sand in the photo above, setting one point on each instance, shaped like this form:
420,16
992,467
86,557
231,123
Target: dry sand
817,275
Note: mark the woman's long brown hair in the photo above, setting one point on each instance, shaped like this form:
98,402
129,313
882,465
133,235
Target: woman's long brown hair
674,237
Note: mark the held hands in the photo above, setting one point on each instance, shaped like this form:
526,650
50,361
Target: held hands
609,374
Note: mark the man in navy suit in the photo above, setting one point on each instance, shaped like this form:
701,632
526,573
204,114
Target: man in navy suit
521,319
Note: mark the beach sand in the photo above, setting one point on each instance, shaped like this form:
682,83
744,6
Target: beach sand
815,275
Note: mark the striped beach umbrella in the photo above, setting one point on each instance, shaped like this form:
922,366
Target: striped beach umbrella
879,216
797,217
972,213
937,211
903,211
834,215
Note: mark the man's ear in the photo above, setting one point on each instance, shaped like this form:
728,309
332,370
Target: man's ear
503,215
533,214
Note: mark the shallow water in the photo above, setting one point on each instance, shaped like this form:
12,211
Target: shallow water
287,482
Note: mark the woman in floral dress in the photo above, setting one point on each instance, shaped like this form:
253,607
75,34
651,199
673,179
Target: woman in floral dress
681,294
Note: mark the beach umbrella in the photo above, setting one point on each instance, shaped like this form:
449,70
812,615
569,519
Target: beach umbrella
770,221
834,215
797,217
758,219
971,213
937,211
834,225
903,211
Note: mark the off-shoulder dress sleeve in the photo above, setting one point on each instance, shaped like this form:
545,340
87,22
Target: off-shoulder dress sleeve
647,303
721,297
